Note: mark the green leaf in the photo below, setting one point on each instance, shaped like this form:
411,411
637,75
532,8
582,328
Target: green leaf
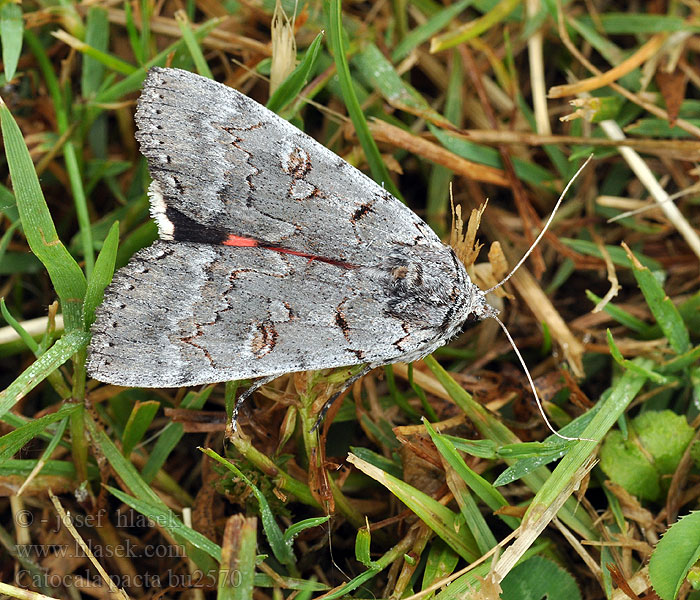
641,461
538,578
674,555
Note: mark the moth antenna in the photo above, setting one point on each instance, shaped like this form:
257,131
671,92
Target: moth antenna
534,389
330,552
544,229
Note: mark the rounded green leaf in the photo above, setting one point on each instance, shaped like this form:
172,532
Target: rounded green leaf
674,555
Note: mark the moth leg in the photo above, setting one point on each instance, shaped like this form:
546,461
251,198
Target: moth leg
258,383
334,397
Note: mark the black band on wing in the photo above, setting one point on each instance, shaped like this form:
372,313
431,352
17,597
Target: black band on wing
186,229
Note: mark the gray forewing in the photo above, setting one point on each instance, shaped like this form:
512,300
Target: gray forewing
229,164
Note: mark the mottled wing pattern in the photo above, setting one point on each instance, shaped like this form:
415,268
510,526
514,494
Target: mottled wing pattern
185,314
325,267
223,164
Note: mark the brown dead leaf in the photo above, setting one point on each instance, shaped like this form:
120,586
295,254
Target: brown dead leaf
672,87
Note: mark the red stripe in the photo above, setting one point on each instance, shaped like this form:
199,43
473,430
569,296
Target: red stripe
243,242
236,240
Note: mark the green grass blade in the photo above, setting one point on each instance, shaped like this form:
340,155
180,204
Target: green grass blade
478,153
159,513
55,439
67,278
380,75
296,528
133,82
236,578
491,428
624,391
632,366
369,146
474,28
445,523
11,33
639,24
96,36
425,31
295,81
193,45
101,275
133,34
99,57
48,362
172,434
70,155
16,440
437,209
17,326
623,317
529,456
281,548
147,8
682,361
617,254
480,486
690,311
661,306
150,505
139,421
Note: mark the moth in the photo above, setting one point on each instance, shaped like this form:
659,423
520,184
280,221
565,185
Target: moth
275,255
